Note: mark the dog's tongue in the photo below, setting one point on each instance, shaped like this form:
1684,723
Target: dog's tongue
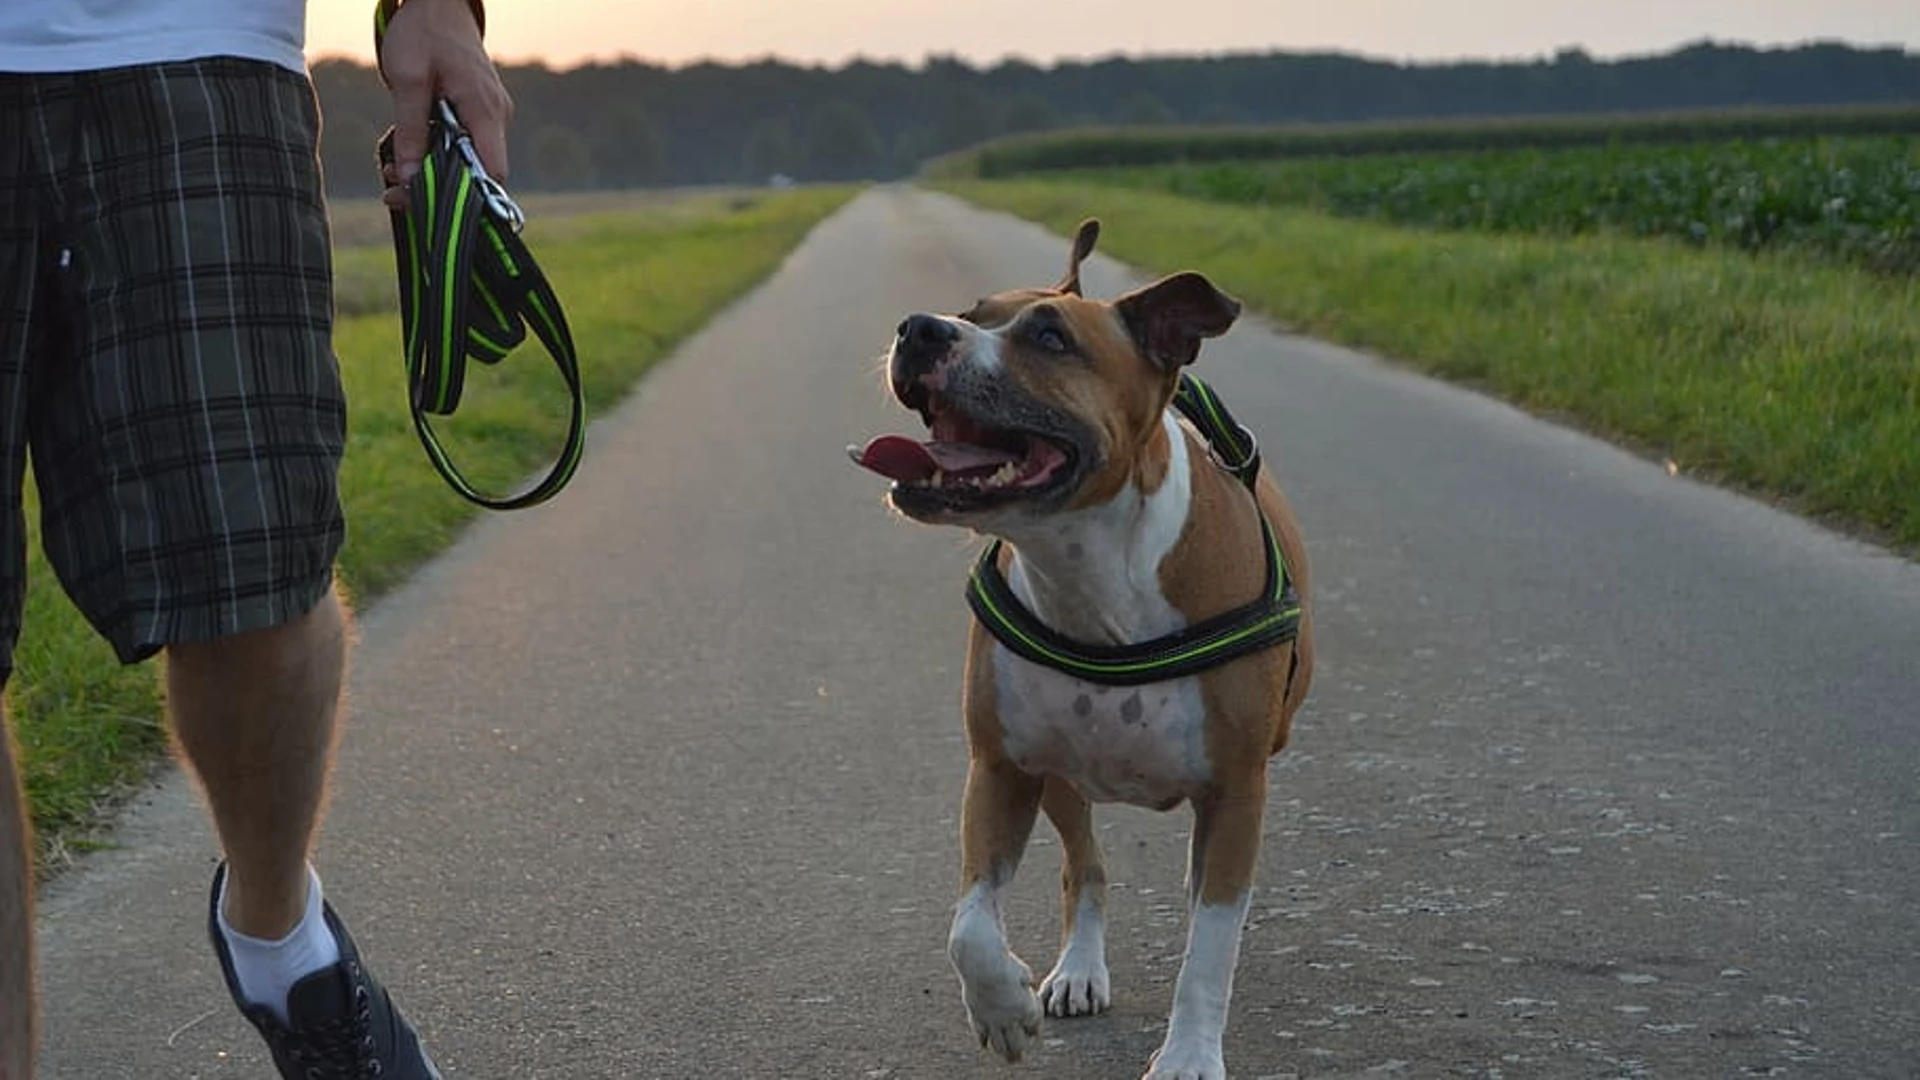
910,460
897,458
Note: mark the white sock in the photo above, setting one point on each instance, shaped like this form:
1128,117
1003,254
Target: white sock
267,970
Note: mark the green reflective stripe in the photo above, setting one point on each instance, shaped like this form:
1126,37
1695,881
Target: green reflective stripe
478,338
430,183
576,449
493,350
493,304
1003,626
1212,647
451,283
539,308
1201,405
1282,581
500,251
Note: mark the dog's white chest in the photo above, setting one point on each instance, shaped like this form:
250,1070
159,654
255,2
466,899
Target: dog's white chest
1144,745
1136,744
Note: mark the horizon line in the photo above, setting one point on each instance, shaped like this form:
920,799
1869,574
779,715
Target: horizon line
928,58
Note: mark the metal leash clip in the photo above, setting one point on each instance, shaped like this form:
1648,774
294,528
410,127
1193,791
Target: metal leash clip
498,202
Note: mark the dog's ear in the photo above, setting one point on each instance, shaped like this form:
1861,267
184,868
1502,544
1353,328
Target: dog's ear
1169,317
1083,242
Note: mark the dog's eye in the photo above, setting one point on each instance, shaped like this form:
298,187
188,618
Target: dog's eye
1050,338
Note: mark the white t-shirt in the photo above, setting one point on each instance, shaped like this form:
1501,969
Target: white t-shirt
85,35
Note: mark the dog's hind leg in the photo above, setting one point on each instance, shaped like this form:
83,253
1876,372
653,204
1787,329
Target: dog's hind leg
1079,984
996,818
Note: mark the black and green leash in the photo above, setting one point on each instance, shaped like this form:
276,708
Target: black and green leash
471,290
1272,618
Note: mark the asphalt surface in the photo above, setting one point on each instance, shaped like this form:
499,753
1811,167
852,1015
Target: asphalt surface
1605,774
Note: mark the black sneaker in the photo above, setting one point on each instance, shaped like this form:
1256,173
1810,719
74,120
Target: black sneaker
344,1026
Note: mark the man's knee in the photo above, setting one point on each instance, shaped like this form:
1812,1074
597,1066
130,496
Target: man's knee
316,636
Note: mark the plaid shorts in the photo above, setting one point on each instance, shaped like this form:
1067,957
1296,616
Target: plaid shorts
166,303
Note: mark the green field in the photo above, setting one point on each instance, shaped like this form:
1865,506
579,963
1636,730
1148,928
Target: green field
1118,147
1850,199
1783,374
635,281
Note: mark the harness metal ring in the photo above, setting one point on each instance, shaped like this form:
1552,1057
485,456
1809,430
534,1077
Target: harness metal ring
1253,451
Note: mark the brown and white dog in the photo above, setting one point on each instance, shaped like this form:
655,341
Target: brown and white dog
1051,429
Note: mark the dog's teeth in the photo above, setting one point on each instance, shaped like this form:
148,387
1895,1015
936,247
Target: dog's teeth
939,477
1001,477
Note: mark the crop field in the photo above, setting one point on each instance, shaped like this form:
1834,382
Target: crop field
1853,199
1124,147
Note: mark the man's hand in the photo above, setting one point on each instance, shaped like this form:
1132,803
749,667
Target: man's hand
432,50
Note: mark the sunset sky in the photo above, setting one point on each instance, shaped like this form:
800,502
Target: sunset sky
568,32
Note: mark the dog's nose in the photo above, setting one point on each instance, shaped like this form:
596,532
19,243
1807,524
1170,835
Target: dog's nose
926,333
920,343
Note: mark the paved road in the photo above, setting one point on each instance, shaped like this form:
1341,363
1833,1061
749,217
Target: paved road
1606,773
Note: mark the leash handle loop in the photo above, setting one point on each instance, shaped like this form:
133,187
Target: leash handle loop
471,289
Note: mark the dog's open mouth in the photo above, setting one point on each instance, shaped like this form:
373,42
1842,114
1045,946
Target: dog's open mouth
966,464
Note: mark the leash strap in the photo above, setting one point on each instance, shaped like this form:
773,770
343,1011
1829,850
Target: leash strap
471,290
1271,619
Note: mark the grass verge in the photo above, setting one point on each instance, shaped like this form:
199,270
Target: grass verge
1776,374
634,281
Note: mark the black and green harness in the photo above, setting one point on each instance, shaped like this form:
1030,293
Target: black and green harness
1270,619
471,290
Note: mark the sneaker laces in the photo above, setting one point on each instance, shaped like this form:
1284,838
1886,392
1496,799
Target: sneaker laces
342,1048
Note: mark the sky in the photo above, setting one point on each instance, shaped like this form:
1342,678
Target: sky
564,33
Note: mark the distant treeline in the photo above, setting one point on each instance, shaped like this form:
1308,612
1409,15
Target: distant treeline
635,124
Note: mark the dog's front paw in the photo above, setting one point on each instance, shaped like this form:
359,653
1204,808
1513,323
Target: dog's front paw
1003,1009
1187,1060
1078,985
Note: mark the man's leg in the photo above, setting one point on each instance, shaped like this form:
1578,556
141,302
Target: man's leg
254,715
16,922
192,452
